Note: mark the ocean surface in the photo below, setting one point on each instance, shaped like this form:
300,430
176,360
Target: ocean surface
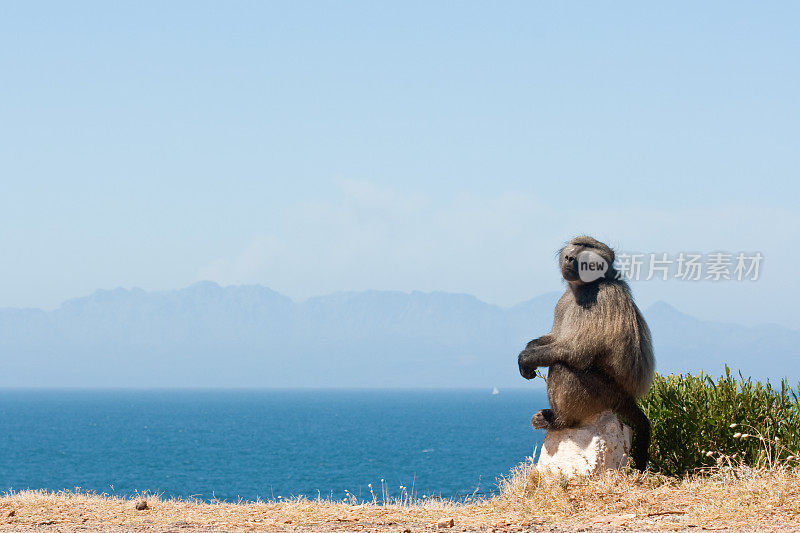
265,444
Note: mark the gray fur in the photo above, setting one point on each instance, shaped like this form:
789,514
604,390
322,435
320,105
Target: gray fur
599,351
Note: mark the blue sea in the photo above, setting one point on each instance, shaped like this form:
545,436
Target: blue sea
265,444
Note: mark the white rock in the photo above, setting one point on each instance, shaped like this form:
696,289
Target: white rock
602,443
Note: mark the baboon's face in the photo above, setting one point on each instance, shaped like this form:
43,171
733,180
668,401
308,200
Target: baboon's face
568,257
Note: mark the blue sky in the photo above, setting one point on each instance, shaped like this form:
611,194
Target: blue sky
316,147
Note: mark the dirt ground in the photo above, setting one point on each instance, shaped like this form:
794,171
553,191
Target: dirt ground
117,516
411,527
738,499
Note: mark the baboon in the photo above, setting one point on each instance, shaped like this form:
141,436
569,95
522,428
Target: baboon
599,352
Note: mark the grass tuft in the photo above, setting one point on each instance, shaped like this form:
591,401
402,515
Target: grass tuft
699,423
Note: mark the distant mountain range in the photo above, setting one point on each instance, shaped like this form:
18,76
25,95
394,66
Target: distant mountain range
250,336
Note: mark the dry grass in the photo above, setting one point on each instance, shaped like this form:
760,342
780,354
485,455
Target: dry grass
734,495
728,496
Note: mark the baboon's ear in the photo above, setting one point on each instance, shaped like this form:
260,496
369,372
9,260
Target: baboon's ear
611,254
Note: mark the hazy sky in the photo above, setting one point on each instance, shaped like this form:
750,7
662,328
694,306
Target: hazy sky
315,147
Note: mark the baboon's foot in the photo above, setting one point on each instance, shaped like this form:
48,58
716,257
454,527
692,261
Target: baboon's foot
543,419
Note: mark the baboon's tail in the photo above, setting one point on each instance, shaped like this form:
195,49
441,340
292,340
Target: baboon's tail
634,416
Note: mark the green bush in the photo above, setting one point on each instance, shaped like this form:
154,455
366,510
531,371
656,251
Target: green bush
692,416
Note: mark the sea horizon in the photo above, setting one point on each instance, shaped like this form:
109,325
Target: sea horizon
251,444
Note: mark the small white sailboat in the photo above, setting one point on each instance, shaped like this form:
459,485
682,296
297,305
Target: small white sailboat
495,391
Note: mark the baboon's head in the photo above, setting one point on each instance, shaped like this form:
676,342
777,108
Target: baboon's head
571,260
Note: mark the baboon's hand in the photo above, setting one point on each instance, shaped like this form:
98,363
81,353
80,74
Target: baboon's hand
526,369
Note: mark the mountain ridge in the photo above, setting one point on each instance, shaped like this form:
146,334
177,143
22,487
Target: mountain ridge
207,335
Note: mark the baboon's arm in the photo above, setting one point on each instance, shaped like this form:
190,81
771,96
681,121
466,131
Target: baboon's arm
541,341
574,355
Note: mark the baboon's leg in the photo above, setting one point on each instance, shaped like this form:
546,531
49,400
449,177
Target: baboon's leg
574,396
577,395
546,419
633,415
